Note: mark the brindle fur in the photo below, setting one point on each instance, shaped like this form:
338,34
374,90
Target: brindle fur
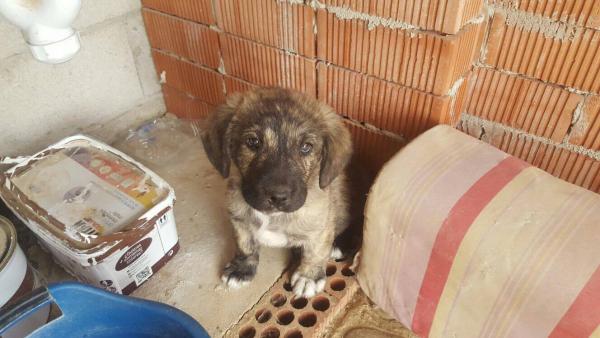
317,208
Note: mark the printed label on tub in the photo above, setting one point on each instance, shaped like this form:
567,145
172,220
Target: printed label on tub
135,261
133,265
90,194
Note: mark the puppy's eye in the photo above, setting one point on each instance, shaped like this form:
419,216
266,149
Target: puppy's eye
253,143
306,148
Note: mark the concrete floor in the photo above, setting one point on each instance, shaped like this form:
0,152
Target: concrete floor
190,281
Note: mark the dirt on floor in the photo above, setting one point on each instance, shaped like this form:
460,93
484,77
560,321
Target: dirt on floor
362,319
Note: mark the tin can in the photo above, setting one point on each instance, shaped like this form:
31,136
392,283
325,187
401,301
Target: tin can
17,278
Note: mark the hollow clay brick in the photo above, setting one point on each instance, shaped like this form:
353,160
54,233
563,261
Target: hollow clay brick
521,103
563,163
190,40
386,105
586,129
372,149
566,56
184,105
203,83
267,66
195,10
274,23
280,314
445,16
584,13
424,61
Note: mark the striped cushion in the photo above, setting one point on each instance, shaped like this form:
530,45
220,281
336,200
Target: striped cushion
463,240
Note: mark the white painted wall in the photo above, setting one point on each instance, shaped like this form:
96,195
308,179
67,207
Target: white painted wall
111,81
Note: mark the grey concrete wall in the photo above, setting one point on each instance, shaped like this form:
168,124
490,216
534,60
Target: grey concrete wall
110,82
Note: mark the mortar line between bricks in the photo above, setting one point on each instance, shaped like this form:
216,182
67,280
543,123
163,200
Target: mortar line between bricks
490,125
237,37
248,83
214,27
213,10
373,21
329,64
315,28
374,129
578,115
184,59
287,51
221,69
177,17
483,49
536,17
528,77
188,95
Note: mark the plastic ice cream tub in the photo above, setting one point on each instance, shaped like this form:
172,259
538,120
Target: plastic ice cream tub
104,217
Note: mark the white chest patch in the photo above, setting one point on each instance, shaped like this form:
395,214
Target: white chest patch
268,237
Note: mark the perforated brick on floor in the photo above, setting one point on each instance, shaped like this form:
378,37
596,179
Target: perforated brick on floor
280,314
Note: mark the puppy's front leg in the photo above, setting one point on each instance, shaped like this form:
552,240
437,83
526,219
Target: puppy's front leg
309,278
242,268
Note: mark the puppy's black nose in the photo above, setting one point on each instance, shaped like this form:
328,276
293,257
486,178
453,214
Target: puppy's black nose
279,194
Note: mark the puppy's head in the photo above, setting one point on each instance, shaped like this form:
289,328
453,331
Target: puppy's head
281,142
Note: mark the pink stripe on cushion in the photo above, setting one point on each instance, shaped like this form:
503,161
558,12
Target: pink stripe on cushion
583,317
438,163
451,234
423,221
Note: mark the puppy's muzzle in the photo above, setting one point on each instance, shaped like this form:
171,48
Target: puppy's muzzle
278,195
274,188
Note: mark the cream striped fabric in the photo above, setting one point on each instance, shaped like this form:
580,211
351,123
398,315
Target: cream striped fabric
463,240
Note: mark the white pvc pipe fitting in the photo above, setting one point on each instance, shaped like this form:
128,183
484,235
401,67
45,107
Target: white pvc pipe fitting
46,26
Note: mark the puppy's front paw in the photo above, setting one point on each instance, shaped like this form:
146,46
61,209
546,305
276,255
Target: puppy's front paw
238,273
307,287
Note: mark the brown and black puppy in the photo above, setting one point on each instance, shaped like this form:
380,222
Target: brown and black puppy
284,156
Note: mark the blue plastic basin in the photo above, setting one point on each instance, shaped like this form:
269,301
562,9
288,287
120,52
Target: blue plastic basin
91,312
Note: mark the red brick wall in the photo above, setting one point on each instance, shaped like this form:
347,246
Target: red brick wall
536,91
521,75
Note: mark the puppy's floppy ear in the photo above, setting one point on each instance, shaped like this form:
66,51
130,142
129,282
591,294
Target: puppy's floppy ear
337,150
215,137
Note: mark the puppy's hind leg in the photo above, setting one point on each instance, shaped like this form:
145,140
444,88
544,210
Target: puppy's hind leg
242,268
345,244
